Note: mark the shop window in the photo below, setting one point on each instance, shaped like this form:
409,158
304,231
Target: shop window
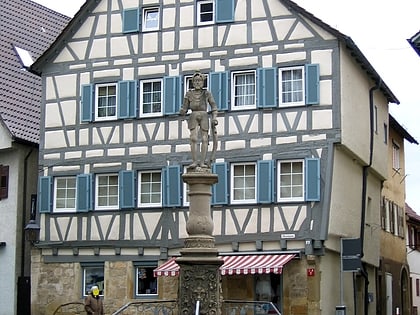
146,283
93,275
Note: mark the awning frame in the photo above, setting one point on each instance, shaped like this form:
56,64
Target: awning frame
239,263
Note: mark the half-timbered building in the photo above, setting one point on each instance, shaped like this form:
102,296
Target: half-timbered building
302,153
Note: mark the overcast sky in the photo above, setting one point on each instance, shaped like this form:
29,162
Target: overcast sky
380,28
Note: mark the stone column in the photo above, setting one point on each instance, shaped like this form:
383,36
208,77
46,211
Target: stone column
199,278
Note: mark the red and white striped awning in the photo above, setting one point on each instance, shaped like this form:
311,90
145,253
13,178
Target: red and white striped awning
236,265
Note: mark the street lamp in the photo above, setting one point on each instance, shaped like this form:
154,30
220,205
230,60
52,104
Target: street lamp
32,232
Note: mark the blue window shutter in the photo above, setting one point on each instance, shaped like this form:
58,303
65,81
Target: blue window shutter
219,88
131,20
312,179
87,102
267,87
127,99
84,193
172,95
45,188
312,84
127,189
265,181
225,11
172,186
220,189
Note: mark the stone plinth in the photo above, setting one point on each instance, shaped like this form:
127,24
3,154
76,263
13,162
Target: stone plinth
199,278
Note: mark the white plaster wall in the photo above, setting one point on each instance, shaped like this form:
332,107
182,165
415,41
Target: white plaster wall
345,209
11,222
355,114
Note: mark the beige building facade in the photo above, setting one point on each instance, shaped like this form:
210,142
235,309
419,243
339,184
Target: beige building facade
298,165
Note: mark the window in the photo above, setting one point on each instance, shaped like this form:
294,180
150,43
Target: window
150,189
291,180
150,19
375,119
146,283
189,83
25,57
185,192
417,287
93,275
395,156
65,194
385,133
106,101
151,98
205,12
109,101
243,183
243,90
4,181
292,86
106,191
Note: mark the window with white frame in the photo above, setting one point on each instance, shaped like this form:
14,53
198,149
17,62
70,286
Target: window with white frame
146,283
291,180
150,189
243,90
151,98
106,101
106,191
150,19
205,12
292,86
243,179
185,192
93,275
395,156
65,194
189,83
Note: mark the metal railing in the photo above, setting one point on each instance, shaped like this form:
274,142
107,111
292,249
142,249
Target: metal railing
239,307
170,307
154,307
75,308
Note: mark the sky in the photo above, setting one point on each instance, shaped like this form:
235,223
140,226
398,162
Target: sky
380,28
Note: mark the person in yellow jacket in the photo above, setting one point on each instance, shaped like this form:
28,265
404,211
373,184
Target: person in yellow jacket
93,302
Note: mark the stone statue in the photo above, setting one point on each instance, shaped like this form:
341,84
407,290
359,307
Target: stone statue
197,100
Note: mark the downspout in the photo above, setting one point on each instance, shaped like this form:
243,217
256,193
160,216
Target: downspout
25,189
364,190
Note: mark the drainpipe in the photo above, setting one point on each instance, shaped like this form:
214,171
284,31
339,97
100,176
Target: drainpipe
364,189
24,193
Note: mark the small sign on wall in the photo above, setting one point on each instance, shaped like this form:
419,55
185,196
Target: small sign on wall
310,272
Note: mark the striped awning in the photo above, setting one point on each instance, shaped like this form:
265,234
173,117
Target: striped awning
236,265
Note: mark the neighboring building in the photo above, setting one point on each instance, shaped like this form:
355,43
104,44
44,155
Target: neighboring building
300,162
393,273
26,30
413,256
414,41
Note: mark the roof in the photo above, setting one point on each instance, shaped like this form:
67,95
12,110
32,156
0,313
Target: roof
411,213
90,5
414,41
27,28
393,123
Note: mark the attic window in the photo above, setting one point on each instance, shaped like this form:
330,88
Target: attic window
24,56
